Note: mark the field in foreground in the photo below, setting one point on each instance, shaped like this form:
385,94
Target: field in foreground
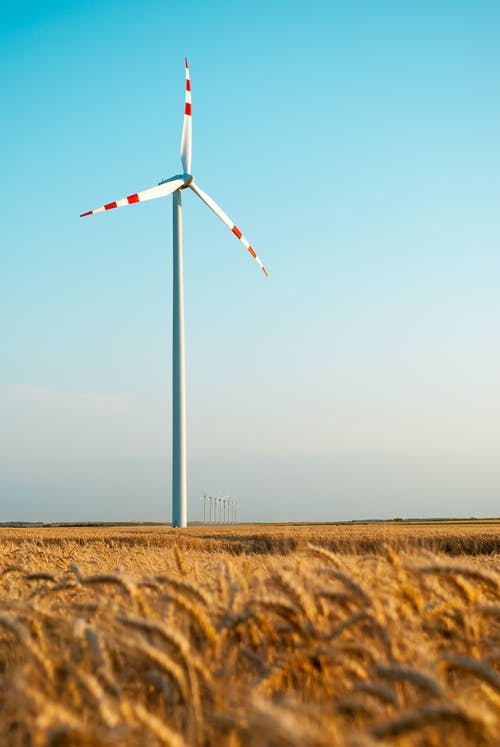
236,637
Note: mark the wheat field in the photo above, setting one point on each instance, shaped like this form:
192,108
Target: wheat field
264,636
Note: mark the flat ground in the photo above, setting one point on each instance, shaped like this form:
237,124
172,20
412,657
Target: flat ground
465,537
253,635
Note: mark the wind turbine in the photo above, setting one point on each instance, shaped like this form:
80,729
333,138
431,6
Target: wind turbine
174,185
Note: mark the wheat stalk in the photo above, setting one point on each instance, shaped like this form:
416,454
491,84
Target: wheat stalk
348,582
488,579
475,667
423,717
24,638
198,616
397,673
185,586
106,707
165,663
156,726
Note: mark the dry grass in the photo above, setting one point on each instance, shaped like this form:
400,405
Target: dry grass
268,636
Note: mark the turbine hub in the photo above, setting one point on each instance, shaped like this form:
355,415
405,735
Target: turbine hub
188,179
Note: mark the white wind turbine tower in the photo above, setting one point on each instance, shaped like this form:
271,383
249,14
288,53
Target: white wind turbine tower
174,185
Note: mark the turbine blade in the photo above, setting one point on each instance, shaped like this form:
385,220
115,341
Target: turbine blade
162,190
186,129
229,223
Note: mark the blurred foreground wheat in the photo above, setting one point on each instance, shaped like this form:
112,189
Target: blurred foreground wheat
103,643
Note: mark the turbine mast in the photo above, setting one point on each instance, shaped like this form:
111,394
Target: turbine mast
179,511
218,507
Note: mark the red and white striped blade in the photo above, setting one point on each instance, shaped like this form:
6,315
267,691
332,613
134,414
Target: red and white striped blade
229,223
186,130
162,190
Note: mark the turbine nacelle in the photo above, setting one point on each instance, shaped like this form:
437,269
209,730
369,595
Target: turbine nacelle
186,178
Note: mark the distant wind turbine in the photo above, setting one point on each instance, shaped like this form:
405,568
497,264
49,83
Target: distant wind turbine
174,185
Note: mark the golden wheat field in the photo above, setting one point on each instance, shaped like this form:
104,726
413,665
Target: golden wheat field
247,636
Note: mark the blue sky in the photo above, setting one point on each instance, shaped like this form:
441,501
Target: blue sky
357,145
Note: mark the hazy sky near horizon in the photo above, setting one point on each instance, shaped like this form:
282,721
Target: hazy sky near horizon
357,145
